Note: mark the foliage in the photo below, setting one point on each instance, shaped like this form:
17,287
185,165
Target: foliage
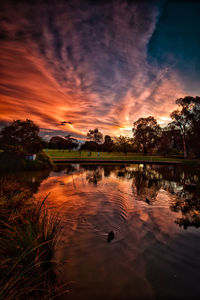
72,143
58,142
187,119
28,238
170,142
21,137
12,161
108,144
43,161
90,146
16,161
123,144
182,123
146,133
95,135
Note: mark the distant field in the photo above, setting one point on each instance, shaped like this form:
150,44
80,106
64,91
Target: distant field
66,154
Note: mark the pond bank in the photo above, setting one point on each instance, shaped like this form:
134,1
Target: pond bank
18,162
63,160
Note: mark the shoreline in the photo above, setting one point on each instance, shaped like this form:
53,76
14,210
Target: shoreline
55,161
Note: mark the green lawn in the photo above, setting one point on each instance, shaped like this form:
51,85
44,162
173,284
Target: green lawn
66,154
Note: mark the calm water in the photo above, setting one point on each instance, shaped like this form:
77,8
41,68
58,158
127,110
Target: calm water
154,212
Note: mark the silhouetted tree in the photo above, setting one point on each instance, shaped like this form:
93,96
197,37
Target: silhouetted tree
187,119
90,146
170,141
146,133
71,143
95,135
182,123
108,144
21,137
122,144
58,142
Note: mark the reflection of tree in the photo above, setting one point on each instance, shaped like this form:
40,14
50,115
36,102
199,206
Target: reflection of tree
180,181
20,185
94,176
107,172
190,209
185,184
59,167
70,169
97,171
108,169
189,206
146,183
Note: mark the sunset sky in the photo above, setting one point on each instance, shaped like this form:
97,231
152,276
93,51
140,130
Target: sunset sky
96,63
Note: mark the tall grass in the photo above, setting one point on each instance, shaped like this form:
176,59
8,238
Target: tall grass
28,237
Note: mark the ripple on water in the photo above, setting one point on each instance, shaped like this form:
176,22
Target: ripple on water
149,255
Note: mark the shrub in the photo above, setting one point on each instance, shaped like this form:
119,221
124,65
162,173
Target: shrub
16,161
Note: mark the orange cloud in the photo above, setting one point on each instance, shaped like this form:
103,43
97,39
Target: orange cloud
77,64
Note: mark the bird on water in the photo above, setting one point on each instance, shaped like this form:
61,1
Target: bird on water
148,201
110,236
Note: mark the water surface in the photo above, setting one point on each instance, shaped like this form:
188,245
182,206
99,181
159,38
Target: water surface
154,212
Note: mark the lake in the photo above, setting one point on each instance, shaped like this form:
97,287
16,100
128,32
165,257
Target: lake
154,212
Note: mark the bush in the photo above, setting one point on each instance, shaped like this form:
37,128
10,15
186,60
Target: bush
45,159
17,161
12,161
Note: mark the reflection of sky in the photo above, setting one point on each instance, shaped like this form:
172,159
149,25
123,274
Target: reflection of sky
96,64
147,241
78,194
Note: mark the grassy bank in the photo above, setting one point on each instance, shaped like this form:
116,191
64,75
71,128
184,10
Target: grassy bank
28,236
83,155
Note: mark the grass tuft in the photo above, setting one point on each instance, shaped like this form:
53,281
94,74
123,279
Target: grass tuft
28,237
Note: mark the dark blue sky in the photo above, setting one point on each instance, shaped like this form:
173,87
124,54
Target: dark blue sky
176,41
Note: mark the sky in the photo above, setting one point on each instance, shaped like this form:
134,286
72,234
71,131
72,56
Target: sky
96,63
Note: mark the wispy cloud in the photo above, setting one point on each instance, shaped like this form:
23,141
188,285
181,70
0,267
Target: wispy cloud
85,62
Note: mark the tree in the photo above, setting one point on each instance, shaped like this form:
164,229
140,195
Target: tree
123,144
170,141
187,120
194,116
146,133
95,135
59,142
90,146
108,143
71,143
181,122
22,137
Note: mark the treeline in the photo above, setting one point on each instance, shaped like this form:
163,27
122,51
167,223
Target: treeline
67,142
179,137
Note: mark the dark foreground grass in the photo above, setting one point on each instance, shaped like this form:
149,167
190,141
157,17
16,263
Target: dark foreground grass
28,236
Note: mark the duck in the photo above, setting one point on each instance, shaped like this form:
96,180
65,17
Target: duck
110,236
148,201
